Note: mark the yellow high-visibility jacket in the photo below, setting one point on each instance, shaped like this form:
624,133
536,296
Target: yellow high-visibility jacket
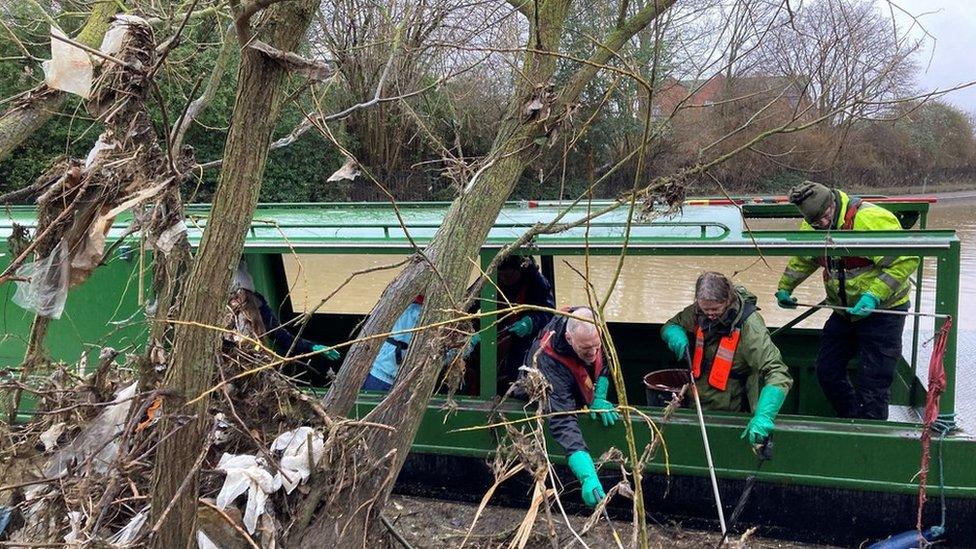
884,277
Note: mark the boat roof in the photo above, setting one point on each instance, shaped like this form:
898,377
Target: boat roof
702,222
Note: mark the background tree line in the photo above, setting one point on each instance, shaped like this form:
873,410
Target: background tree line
403,144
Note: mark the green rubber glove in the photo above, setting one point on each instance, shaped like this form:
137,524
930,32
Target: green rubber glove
328,352
582,465
469,348
864,306
785,300
676,338
761,425
522,327
601,405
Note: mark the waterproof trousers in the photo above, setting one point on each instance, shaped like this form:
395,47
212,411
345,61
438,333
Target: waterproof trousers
876,342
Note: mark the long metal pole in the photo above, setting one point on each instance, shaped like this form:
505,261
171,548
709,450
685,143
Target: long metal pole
882,311
708,449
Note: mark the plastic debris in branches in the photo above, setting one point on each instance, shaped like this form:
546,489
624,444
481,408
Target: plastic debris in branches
295,455
70,68
43,284
245,473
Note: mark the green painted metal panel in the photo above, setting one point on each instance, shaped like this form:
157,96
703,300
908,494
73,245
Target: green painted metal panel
874,456
488,382
103,311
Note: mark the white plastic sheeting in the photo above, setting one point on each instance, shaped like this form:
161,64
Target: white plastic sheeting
245,473
203,542
45,285
49,438
169,237
130,531
295,455
70,68
98,436
104,143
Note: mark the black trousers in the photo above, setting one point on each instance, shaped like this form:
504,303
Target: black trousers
876,341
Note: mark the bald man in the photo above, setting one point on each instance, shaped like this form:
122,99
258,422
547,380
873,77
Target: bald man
569,354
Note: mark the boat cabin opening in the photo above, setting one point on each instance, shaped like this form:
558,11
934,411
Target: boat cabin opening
334,268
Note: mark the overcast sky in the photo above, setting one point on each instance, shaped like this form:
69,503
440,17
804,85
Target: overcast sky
950,59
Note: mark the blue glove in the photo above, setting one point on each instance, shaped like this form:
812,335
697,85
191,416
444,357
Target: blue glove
582,466
864,306
785,300
601,405
677,339
328,352
761,425
522,327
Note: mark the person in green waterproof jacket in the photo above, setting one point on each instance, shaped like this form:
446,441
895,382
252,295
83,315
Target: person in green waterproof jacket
863,285
736,365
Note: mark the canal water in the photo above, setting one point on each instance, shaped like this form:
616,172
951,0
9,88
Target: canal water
649,289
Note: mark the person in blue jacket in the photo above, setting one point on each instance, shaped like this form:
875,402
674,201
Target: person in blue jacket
394,349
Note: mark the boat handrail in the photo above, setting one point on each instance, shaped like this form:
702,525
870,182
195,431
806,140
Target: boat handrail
703,226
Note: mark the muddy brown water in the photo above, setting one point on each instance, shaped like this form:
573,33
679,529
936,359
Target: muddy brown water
649,289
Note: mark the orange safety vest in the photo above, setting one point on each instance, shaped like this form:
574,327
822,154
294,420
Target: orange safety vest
721,364
584,374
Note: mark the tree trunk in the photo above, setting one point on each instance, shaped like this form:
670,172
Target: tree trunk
27,116
259,101
345,519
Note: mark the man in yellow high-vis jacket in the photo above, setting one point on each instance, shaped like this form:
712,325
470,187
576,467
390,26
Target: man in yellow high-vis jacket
862,284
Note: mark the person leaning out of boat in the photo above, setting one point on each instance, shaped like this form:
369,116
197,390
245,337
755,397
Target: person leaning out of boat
736,366
863,285
242,288
569,353
520,283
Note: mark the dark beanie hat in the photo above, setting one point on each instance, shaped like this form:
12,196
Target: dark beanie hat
811,198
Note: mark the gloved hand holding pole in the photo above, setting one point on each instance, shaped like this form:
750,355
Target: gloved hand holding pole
677,339
785,300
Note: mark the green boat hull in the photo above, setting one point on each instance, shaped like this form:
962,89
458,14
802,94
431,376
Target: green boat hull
860,473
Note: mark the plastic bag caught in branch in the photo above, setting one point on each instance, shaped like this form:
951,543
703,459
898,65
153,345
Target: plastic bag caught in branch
70,68
98,437
45,287
295,455
246,474
349,170
169,237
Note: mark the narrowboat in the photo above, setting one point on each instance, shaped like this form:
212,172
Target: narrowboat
831,480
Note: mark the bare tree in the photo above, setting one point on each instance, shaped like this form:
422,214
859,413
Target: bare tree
846,52
536,110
